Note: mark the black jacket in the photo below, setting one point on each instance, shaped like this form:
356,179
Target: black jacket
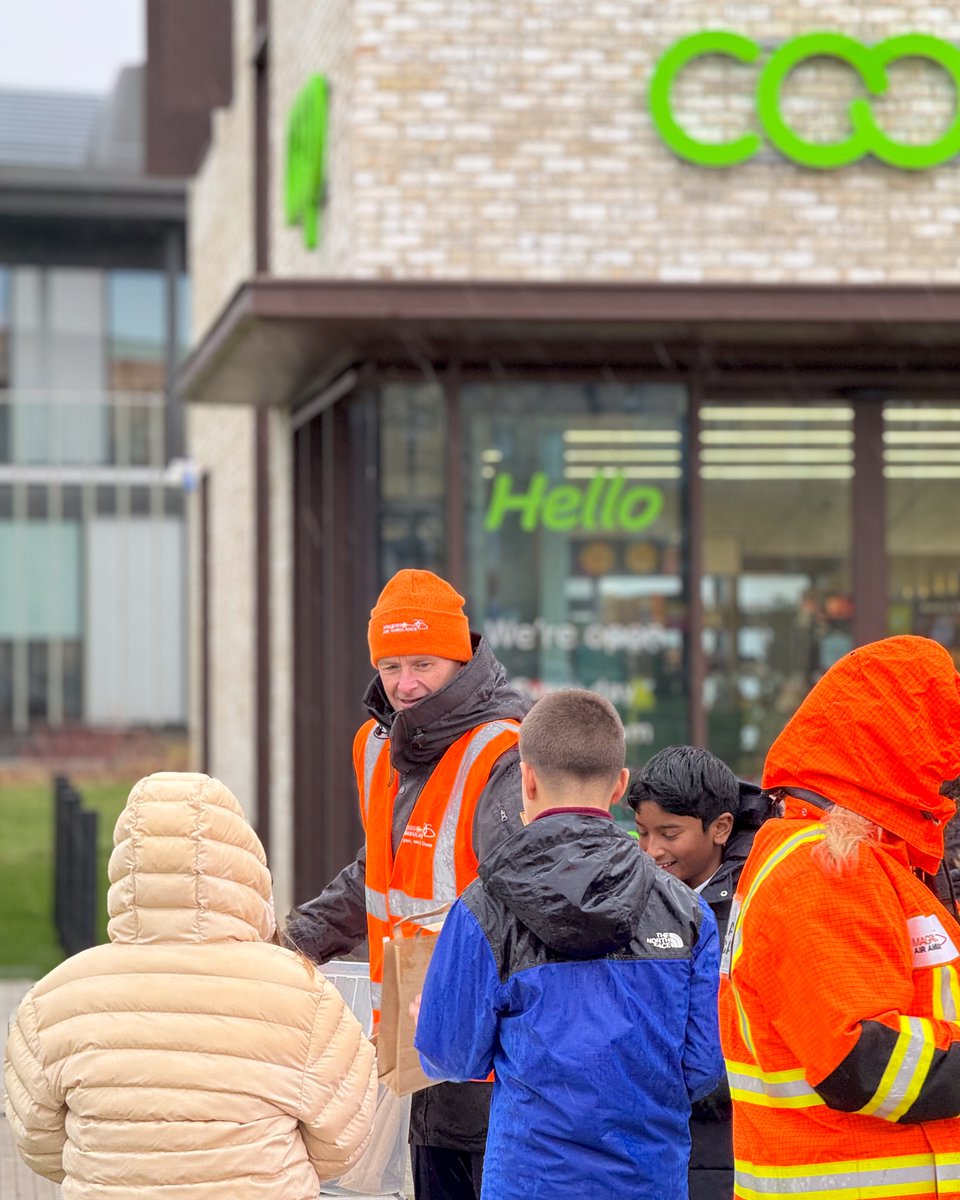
711,1123
449,1116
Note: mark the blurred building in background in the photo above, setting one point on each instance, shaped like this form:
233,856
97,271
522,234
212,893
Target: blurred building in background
93,322
465,298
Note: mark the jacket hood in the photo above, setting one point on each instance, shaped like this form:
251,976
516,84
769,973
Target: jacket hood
477,694
879,734
186,866
576,881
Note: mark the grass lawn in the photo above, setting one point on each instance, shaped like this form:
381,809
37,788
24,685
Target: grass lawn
28,939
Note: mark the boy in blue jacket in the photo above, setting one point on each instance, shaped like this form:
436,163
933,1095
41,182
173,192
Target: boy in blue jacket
583,976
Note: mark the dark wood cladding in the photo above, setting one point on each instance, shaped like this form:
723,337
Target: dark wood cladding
189,73
203,500
335,584
262,618
261,135
869,531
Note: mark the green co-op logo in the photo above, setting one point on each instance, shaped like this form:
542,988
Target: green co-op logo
866,137
306,165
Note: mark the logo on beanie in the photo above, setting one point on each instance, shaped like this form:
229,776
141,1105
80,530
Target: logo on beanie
416,626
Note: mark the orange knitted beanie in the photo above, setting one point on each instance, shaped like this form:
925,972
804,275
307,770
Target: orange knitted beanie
419,613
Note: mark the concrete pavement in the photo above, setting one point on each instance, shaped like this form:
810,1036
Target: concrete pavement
17,1182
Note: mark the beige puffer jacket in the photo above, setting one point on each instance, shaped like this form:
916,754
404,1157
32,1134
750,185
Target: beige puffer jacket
188,1058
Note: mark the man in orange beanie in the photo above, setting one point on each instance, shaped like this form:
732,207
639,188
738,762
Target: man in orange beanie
840,982
438,773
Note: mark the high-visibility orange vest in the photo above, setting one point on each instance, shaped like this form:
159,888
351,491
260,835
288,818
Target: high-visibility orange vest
810,962
435,860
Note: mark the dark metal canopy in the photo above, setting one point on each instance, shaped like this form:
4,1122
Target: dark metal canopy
280,341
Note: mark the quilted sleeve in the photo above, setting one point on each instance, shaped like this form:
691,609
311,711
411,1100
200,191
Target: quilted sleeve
339,1088
34,1110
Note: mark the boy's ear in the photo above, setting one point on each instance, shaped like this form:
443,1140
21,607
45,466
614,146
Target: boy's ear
623,782
528,782
722,828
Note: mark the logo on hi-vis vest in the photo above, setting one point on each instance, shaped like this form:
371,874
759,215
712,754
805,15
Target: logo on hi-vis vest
416,626
419,835
666,941
930,942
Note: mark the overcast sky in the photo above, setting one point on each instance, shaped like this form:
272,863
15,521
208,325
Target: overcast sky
69,45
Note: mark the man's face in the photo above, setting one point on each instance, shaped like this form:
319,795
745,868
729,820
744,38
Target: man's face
407,678
681,845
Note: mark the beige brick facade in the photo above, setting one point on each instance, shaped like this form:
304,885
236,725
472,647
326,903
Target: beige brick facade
221,442
511,139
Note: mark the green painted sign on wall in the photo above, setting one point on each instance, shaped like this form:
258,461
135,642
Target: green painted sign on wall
306,166
866,137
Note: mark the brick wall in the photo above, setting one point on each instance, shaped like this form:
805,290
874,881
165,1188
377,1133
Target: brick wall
511,139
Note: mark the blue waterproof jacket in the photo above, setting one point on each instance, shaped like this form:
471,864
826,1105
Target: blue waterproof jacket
586,978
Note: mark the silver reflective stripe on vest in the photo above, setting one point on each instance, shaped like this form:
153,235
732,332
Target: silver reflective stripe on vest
905,1072
371,753
826,1180
945,979
783,1089
444,862
376,903
412,908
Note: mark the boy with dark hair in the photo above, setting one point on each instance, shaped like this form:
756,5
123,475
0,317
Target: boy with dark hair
697,822
583,977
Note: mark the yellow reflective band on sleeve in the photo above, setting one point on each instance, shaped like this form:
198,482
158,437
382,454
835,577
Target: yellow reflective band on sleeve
856,1179
906,1071
770,1089
813,833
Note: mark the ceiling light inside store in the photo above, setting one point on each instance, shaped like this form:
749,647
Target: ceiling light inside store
622,435
919,437
772,437
775,454
803,416
917,415
921,456
615,456
626,472
776,472
942,472
491,456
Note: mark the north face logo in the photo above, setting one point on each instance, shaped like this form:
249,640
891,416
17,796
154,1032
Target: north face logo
416,626
666,941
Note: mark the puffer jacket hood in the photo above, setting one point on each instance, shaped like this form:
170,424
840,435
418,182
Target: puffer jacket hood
186,866
879,734
479,693
576,881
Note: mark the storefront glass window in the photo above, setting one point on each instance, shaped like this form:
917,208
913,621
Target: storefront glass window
413,478
921,467
574,551
776,487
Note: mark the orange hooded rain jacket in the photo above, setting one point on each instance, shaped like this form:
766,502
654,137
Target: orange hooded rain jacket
840,993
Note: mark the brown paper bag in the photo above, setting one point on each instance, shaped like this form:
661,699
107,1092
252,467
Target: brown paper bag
405,962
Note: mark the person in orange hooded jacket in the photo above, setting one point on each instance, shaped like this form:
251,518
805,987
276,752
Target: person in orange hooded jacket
840,993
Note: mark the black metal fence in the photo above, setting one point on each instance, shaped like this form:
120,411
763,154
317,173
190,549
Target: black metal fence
75,869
